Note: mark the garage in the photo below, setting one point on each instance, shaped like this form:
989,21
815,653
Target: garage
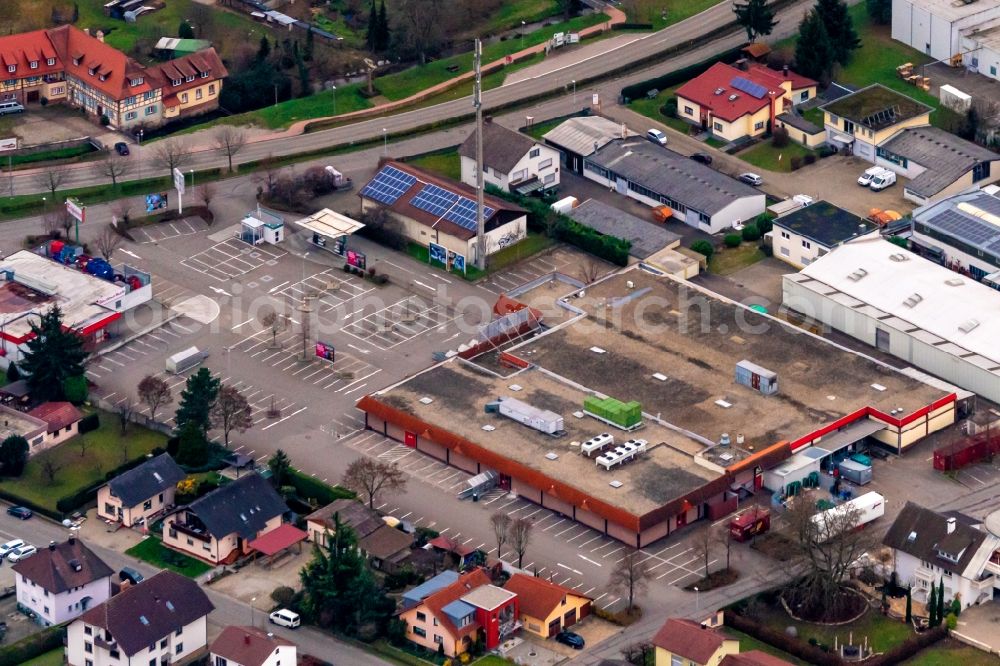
569,619
554,627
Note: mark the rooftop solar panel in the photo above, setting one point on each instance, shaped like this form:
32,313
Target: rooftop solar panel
969,229
434,200
464,214
749,87
388,185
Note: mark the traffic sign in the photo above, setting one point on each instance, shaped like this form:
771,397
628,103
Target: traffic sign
179,181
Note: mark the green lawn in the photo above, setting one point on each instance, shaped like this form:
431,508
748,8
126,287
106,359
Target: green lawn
814,115
538,130
882,632
728,260
662,14
421,254
492,660
766,156
346,98
446,163
651,109
950,652
80,468
715,143
748,642
51,658
512,12
531,245
49,155
152,550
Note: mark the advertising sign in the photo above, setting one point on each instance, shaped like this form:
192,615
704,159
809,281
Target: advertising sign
325,351
319,240
179,181
8,144
156,201
75,210
438,253
456,262
356,259
340,245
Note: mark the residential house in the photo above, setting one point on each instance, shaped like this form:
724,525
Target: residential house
385,547
219,526
142,492
161,620
16,422
963,233
250,646
577,138
681,642
440,214
62,421
546,607
939,27
71,65
62,581
800,237
738,102
452,610
869,117
929,547
697,194
512,161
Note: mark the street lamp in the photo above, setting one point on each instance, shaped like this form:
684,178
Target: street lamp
334,89
252,601
697,599
522,35
385,142
574,90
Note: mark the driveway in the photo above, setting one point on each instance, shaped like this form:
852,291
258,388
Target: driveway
41,125
978,626
979,86
757,284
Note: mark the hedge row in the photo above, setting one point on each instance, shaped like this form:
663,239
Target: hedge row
909,647
308,487
780,640
33,646
20,501
671,79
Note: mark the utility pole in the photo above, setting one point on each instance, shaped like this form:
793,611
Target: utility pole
477,101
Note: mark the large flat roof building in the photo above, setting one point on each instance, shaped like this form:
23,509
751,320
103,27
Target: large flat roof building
677,351
935,27
963,231
907,306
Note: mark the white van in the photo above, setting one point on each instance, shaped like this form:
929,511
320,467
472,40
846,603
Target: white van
865,179
883,180
285,618
10,107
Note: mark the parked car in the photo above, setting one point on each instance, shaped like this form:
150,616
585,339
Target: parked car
131,575
9,547
22,553
121,148
572,639
657,137
285,618
751,179
20,512
10,107
882,180
704,158
865,179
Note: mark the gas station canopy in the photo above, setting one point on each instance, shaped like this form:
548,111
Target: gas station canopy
328,223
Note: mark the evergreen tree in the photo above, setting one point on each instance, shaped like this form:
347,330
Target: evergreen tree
185,31
382,43
813,51
192,448
13,455
305,87
308,53
879,11
53,355
264,50
197,399
932,606
76,13
755,17
940,602
371,35
839,28
13,374
909,605
280,465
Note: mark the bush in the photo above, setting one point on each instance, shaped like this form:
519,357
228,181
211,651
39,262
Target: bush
13,374
808,159
670,108
75,389
704,247
44,101
105,121
309,488
808,652
283,595
826,151
89,423
796,163
732,240
382,229
951,622
33,646
610,248
909,647
751,233
764,223
779,137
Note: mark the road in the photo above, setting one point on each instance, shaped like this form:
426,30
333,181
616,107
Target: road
281,144
40,531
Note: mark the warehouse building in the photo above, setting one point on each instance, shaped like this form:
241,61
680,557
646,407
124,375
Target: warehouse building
699,394
579,138
907,306
936,27
963,233
698,195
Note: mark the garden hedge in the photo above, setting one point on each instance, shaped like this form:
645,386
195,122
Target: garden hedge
33,646
908,648
307,487
782,641
678,76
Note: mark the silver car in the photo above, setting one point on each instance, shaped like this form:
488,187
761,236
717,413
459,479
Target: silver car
751,179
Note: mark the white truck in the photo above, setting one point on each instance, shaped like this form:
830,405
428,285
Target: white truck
867,507
882,180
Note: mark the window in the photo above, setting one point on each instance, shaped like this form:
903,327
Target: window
189,79
147,505
113,654
545,164
785,252
50,61
804,96
848,126
131,115
535,152
981,171
417,631
190,542
11,68
758,126
438,639
88,662
177,633
221,661
150,110
550,178
435,622
179,648
184,98
176,82
34,64
807,245
130,100
88,648
136,82
160,498
197,93
173,533
204,75
676,661
421,617
87,631
45,609
211,89
163,643
152,662
688,111
717,127
993,70
785,235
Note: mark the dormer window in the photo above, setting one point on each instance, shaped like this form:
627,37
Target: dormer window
204,75
103,77
190,79
136,82
949,556
76,61
11,68
34,64
176,82
91,70
50,61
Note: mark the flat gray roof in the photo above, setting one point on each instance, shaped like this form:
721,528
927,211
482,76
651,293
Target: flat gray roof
972,219
578,135
647,237
671,174
945,156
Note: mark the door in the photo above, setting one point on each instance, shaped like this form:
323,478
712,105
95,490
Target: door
682,519
585,610
621,186
569,619
410,439
881,340
554,627
32,95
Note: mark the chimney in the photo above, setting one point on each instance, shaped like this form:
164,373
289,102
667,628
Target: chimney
784,70
72,538
52,545
86,31
741,64
951,525
100,36
624,132
246,639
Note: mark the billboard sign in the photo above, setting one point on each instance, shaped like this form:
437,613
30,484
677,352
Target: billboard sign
8,144
156,201
179,181
356,259
340,245
76,211
319,240
325,351
437,253
456,262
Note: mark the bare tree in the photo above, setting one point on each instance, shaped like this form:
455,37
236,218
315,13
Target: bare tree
122,212
231,411
724,538
590,270
81,442
826,547
501,524
631,577
113,166
702,543
229,141
372,477
272,320
172,154
267,175
206,193
107,242
154,392
51,180
422,25
66,220
636,653
125,409
519,536
49,468
51,222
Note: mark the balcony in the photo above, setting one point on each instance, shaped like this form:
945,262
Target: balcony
194,531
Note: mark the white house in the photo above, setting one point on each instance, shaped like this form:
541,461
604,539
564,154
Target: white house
511,161
936,27
161,620
807,233
141,492
249,646
929,547
62,581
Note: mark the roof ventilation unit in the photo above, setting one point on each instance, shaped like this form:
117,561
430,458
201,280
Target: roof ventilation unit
733,97
719,91
598,443
857,275
912,300
955,282
968,326
622,454
754,376
540,419
899,256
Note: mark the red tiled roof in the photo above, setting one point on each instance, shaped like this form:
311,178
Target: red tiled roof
703,89
58,415
689,639
506,305
22,48
278,539
537,596
437,601
82,53
193,64
247,646
444,543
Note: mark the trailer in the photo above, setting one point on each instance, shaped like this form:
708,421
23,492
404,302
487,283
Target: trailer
749,524
869,507
185,360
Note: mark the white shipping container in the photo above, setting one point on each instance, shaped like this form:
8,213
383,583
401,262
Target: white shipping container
564,205
185,360
539,419
869,507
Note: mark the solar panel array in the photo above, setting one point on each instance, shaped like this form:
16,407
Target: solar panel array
749,87
388,185
464,213
445,204
973,231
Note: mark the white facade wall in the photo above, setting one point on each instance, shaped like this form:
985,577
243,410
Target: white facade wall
283,655
903,345
545,165
795,249
743,209
915,24
982,59
952,254
176,645
919,574
58,608
911,171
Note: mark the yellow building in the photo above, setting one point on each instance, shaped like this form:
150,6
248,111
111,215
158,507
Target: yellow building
867,118
688,643
547,608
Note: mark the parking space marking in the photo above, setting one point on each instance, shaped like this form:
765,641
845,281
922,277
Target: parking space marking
230,258
400,322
